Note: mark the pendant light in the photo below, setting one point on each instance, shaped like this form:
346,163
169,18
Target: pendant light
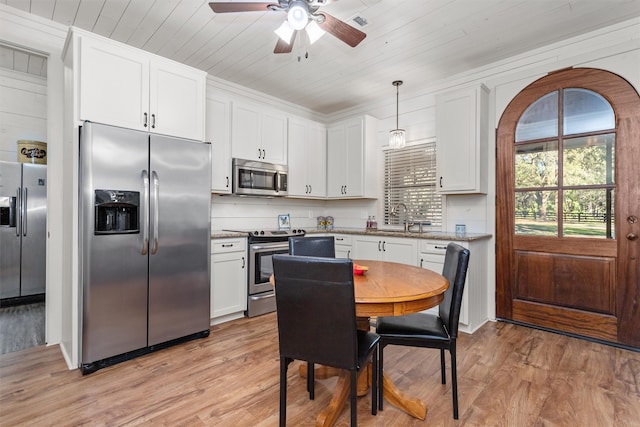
397,135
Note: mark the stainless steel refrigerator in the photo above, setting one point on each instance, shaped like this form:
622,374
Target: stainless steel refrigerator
145,244
23,217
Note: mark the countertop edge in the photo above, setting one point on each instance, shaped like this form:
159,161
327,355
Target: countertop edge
469,237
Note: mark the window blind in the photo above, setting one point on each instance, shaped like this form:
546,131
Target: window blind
410,178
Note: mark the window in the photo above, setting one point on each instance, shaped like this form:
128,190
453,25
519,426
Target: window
564,164
410,178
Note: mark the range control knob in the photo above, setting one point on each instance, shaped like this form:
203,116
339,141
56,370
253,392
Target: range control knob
262,232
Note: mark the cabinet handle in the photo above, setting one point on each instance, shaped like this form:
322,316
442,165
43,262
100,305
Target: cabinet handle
243,262
379,242
310,189
227,245
340,239
384,246
264,154
439,247
153,121
345,189
421,261
227,182
349,254
440,182
259,153
146,116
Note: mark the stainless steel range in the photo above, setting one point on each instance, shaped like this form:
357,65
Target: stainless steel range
262,245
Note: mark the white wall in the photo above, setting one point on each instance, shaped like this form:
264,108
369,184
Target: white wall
23,110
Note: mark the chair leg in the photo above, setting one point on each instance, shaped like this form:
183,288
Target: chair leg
380,375
284,364
311,380
374,383
442,369
354,394
454,379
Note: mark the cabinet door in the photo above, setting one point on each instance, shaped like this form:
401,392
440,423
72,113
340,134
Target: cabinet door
228,284
273,129
404,251
177,100
365,247
317,160
336,162
297,158
461,141
354,146
114,85
218,130
245,132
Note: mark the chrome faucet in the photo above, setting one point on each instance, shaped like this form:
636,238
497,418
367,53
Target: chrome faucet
394,212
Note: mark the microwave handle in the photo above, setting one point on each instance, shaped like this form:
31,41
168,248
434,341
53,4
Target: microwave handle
278,183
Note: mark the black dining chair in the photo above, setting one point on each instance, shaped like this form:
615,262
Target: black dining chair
317,322
429,330
320,246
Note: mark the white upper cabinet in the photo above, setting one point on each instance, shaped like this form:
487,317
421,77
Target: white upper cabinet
218,132
259,133
462,140
352,158
122,86
307,158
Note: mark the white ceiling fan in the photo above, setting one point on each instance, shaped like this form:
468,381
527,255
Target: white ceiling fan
301,14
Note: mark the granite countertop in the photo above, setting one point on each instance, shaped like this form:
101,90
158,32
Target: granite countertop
427,235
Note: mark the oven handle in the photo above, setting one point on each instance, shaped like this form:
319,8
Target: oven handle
262,296
270,247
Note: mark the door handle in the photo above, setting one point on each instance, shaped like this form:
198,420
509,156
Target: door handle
145,203
24,212
155,208
632,236
19,213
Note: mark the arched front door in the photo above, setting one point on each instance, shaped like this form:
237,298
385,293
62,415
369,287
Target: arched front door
568,206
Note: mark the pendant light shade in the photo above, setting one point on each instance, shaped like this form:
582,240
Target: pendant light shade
397,137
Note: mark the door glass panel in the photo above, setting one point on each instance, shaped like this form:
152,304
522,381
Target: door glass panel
536,213
586,111
588,213
589,160
537,165
540,120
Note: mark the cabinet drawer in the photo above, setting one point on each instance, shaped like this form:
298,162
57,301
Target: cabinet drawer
228,245
343,240
433,246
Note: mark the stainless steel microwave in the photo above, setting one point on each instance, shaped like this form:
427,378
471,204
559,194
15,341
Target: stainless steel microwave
253,178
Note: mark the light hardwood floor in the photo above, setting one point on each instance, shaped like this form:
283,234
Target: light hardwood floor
508,376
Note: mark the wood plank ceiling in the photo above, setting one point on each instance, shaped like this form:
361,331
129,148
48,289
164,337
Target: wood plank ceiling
418,41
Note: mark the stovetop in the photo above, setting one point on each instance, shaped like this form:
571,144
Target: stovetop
272,235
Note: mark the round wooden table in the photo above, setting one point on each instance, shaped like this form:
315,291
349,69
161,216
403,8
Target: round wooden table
386,289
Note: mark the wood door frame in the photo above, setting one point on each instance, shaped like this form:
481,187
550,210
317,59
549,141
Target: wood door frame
623,97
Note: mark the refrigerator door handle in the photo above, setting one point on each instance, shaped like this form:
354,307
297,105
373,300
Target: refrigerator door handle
24,212
19,213
155,208
145,228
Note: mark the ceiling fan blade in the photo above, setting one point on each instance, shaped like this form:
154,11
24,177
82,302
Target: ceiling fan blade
229,7
284,47
339,29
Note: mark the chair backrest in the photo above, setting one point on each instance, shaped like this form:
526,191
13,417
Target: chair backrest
456,262
319,246
316,310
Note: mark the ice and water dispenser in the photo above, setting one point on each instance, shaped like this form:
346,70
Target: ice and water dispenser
7,211
117,212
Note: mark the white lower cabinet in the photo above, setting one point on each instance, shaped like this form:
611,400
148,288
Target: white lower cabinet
228,279
343,246
380,248
473,312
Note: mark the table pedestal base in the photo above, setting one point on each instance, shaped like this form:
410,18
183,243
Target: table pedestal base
330,414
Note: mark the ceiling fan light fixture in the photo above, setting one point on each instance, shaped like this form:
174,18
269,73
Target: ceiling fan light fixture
298,15
285,32
397,137
314,31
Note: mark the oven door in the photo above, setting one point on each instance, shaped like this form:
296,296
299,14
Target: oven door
261,265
